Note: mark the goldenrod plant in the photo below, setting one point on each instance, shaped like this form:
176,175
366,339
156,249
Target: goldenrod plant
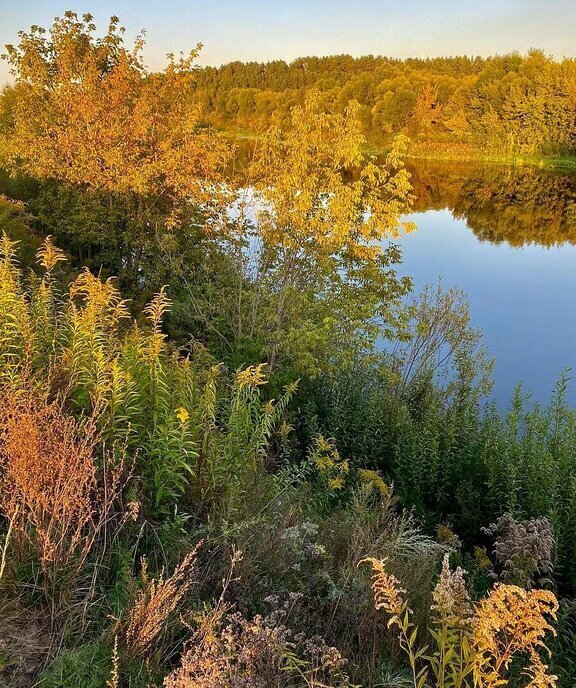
480,645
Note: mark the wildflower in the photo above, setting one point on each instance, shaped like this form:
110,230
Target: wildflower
328,462
447,537
285,429
524,549
253,376
373,479
323,444
133,510
156,309
49,255
482,559
324,463
114,679
336,483
513,622
388,594
182,414
155,602
452,602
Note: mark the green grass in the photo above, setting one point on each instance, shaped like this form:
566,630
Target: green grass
448,153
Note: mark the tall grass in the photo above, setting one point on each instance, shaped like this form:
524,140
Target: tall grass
118,448
195,431
452,455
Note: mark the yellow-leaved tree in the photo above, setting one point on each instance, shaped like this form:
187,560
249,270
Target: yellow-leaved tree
324,211
311,275
321,193
85,111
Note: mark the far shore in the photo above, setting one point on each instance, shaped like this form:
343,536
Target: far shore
450,152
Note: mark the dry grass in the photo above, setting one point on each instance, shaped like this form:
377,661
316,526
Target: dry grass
25,645
158,599
52,492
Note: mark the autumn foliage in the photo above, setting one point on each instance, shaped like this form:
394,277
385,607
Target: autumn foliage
228,393
85,111
54,495
473,644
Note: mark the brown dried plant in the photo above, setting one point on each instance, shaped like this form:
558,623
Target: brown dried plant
523,550
114,680
451,600
257,653
244,654
453,616
52,492
158,599
226,649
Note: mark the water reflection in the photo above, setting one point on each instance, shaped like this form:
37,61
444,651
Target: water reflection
512,204
507,236
516,205
517,264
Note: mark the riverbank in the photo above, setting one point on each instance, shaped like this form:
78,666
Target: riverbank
469,153
448,152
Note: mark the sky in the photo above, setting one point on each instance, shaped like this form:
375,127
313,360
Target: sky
265,30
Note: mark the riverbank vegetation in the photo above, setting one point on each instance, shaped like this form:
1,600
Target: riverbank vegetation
212,474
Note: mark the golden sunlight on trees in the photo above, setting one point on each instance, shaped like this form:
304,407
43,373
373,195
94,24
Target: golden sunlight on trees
85,111
322,195
322,208
508,104
243,405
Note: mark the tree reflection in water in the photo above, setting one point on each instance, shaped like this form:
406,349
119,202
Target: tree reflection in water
516,205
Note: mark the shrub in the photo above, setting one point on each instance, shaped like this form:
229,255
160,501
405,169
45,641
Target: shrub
474,644
54,495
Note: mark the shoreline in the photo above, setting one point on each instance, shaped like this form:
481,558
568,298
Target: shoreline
463,154
471,156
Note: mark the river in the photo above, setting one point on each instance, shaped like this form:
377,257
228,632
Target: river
507,237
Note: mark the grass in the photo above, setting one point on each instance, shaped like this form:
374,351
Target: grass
448,152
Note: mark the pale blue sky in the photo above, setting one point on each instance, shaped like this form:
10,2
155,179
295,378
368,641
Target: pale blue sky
270,29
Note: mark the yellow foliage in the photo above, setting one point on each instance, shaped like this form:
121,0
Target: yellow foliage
182,414
309,204
85,111
388,593
49,255
513,622
328,462
373,479
253,376
476,643
155,312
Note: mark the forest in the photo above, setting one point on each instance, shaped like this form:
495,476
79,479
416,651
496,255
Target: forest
505,106
212,475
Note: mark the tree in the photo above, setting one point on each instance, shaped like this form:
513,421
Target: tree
314,276
85,111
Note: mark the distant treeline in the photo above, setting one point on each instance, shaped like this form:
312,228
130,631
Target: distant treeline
508,104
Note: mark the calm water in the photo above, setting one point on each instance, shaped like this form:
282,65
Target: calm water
508,238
